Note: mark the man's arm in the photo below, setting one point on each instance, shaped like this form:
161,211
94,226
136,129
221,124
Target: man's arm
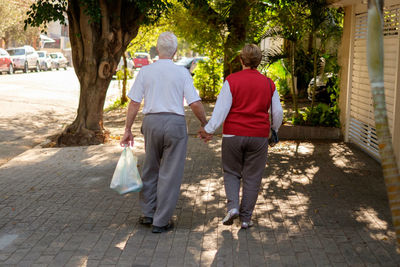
198,110
133,109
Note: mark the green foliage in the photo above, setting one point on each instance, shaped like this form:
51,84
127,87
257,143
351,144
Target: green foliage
220,27
44,11
116,105
208,78
92,10
205,38
120,74
280,76
12,24
323,114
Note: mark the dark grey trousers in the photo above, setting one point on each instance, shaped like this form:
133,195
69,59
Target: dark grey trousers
165,138
243,158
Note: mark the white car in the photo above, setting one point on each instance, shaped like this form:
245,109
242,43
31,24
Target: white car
44,61
58,61
24,58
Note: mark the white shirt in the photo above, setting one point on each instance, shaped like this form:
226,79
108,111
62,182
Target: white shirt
223,106
163,85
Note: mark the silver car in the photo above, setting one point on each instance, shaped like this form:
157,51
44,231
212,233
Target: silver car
58,60
24,58
44,61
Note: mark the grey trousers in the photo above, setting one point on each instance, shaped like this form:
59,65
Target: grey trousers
243,158
165,138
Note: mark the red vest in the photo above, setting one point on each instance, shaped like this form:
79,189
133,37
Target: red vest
251,98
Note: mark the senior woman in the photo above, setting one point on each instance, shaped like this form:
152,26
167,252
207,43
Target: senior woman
243,105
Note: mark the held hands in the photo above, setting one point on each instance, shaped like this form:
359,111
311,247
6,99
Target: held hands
204,135
127,139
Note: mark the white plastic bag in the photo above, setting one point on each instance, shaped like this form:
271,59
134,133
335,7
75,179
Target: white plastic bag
126,176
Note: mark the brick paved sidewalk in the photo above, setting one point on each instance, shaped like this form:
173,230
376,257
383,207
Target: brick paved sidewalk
321,204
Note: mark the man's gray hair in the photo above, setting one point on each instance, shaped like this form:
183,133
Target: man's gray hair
167,44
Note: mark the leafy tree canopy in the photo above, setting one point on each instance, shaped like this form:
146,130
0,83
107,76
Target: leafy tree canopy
10,23
100,31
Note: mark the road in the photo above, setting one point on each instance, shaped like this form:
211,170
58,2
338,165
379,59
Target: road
35,105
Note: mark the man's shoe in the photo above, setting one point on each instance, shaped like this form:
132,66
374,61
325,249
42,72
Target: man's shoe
232,214
161,229
146,220
246,225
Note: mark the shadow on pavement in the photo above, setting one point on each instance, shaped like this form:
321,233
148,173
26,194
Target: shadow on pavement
20,133
321,203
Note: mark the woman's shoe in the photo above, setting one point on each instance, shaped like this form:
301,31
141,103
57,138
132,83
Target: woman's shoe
246,225
232,214
162,229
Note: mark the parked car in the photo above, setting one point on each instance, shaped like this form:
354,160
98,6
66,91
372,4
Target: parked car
190,63
5,62
185,62
193,65
24,58
141,59
321,92
58,61
44,61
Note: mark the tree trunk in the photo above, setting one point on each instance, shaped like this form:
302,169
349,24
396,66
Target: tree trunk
97,47
237,27
293,77
124,99
87,128
375,59
315,68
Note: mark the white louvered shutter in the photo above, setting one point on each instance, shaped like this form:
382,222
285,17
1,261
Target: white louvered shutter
362,123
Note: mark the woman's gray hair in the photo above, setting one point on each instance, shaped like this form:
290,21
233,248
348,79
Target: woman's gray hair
167,44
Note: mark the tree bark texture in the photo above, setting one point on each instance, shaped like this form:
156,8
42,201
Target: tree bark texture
292,48
97,47
375,57
124,98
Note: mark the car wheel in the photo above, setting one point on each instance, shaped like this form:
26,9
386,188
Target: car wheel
26,67
10,69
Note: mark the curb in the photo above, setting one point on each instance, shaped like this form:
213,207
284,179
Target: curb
309,133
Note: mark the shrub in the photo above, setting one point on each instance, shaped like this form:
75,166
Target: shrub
280,76
323,114
208,78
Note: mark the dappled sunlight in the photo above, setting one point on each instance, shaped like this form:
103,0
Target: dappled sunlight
343,157
30,157
305,199
370,217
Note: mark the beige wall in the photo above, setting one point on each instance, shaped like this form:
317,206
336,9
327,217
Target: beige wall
344,56
396,119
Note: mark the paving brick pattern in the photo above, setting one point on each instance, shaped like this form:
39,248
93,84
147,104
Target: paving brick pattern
321,204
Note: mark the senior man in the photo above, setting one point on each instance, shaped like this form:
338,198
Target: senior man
163,85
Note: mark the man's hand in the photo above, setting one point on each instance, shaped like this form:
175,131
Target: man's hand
204,135
127,139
